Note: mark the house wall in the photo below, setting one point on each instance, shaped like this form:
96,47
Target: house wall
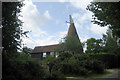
40,55
37,55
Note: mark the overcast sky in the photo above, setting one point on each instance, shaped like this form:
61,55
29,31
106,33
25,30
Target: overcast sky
47,22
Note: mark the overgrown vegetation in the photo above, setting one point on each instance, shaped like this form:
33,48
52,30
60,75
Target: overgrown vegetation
106,14
107,44
100,54
73,45
16,66
78,64
110,60
82,64
22,67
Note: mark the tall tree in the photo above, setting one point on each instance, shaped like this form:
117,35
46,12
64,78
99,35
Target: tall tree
106,14
107,44
73,45
93,45
16,67
26,50
11,26
110,43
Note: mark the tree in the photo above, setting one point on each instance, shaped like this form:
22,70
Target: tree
11,31
106,14
107,44
110,43
16,66
73,44
93,45
26,50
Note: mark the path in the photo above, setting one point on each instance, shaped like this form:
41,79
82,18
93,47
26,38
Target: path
113,76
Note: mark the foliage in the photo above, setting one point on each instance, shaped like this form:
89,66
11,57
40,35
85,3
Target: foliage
107,44
110,43
22,67
55,75
48,61
64,55
88,62
26,50
71,44
106,14
77,65
110,60
11,31
93,45
16,66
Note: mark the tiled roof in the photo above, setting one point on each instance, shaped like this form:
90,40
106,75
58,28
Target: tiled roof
48,48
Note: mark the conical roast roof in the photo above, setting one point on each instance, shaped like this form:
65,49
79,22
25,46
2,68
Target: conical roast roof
72,30
73,43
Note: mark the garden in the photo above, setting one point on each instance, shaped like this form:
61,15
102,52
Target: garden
73,61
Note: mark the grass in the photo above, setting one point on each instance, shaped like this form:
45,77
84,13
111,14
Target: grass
90,76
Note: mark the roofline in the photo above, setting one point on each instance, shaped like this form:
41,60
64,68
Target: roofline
47,45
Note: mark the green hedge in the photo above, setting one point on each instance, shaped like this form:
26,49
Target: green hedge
83,64
22,67
76,65
110,60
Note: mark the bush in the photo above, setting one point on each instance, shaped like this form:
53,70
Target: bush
55,75
78,65
96,66
110,60
64,55
22,67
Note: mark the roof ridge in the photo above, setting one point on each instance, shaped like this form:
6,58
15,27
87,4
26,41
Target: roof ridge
47,45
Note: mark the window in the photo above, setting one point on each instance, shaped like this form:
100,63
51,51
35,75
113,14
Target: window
44,54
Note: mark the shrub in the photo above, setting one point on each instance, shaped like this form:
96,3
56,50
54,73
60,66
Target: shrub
22,67
91,64
97,66
110,60
64,55
55,75
78,65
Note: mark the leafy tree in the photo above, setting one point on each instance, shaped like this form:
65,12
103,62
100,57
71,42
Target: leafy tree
16,66
11,31
107,44
93,45
110,43
106,14
72,44
26,50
